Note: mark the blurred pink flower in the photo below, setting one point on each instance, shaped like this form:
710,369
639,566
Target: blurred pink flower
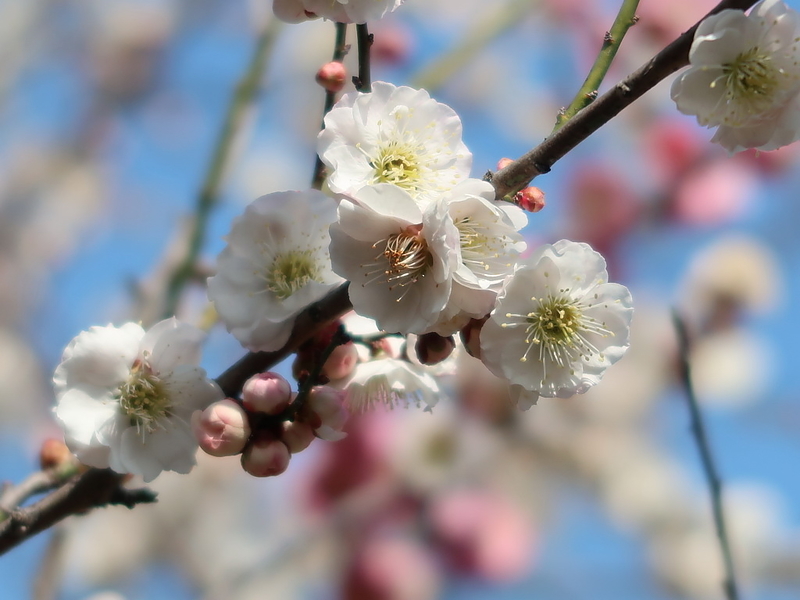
483,533
392,568
715,193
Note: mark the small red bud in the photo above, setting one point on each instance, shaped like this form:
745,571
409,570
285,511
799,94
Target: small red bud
503,163
54,453
332,76
530,199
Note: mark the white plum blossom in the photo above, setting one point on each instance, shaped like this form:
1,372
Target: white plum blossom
399,260
745,77
558,324
489,245
390,382
341,11
125,397
275,264
395,135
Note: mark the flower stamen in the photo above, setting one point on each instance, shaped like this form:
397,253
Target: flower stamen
144,399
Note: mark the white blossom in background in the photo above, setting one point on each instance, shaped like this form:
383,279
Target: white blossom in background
399,260
389,382
275,264
744,77
558,324
125,397
395,135
489,244
341,11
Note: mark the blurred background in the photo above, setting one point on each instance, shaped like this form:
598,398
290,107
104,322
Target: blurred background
109,114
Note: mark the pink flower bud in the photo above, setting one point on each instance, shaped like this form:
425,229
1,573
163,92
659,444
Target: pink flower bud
503,163
54,453
265,458
221,429
341,362
325,403
267,393
433,348
530,199
332,76
297,436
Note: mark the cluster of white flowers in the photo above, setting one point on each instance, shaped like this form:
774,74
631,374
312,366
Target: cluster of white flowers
428,252
744,77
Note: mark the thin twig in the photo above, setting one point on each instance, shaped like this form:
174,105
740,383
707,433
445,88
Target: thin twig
538,161
626,18
363,81
339,51
236,117
36,483
94,488
709,468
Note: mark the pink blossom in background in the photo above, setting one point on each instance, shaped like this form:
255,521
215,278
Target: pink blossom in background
716,193
483,533
392,568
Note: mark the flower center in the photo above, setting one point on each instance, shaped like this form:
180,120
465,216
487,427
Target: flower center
143,398
404,260
397,164
408,257
477,245
290,271
560,329
752,82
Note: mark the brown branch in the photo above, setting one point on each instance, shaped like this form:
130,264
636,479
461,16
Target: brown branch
538,161
92,489
36,483
312,319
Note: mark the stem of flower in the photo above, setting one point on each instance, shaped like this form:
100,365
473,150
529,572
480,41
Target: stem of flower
339,338
235,118
540,159
704,447
363,81
339,51
626,18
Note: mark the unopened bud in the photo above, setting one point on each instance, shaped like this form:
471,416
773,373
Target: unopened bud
530,199
221,429
266,393
341,362
332,76
54,453
265,458
297,436
503,163
328,413
433,348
